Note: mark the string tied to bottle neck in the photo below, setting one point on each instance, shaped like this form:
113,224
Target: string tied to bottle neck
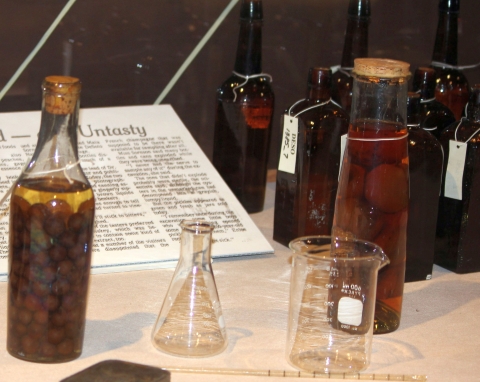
342,69
458,126
444,65
310,107
247,78
65,173
419,91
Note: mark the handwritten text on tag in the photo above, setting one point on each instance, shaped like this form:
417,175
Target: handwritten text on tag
288,151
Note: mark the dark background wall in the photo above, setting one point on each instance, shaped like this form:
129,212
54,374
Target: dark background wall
125,52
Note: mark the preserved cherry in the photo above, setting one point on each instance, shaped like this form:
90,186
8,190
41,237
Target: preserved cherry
47,293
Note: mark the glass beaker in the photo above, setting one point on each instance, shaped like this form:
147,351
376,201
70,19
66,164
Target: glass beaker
190,322
332,303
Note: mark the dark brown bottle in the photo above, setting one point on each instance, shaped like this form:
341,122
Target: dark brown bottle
305,199
452,87
244,113
458,225
356,45
434,116
52,211
425,166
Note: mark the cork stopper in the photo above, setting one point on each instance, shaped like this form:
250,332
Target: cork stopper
61,94
381,67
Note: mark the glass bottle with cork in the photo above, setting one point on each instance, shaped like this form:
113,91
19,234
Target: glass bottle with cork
50,240
355,46
434,116
372,197
458,225
243,117
452,87
425,165
307,176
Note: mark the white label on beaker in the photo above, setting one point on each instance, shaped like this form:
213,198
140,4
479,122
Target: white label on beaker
350,311
288,151
456,164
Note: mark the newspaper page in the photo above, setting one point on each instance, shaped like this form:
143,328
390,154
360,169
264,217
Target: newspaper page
148,174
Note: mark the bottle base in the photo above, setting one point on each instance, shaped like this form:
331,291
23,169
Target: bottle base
386,320
36,358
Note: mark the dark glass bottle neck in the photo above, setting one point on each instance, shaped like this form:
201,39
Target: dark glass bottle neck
356,41
424,82
316,94
445,49
413,110
319,85
356,35
249,49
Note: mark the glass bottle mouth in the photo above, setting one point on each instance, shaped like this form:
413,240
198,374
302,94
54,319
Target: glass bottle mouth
61,84
197,226
251,10
384,68
61,94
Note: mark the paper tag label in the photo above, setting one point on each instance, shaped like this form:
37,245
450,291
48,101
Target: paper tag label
343,144
455,166
288,151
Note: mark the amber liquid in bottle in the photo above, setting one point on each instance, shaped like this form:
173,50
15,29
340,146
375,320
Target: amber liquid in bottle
458,226
244,112
356,45
452,87
305,200
425,167
372,203
49,269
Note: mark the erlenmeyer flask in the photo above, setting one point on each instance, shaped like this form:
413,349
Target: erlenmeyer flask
190,322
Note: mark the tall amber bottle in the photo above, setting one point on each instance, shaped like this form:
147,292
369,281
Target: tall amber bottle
458,226
372,197
425,165
452,86
244,113
305,194
434,116
355,46
50,238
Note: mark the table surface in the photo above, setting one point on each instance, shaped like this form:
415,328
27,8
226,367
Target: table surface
439,334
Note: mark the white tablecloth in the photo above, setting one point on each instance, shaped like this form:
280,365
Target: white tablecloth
439,334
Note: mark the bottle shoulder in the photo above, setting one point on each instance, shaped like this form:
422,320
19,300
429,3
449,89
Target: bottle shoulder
243,90
434,113
418,136
324,117
467,130
450,76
